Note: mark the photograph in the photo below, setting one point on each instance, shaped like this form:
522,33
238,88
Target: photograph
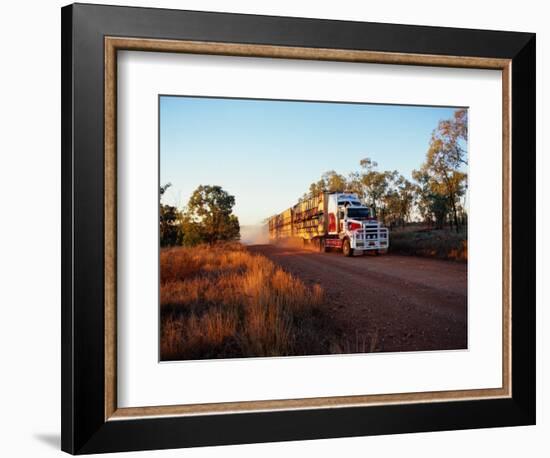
302,228
279,227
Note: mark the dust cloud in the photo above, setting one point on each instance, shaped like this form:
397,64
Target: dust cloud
255,234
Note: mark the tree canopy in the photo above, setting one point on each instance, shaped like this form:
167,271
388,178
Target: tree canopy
170,222
441,174
209,218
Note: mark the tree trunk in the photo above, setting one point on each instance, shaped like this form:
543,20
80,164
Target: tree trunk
455,214
452,200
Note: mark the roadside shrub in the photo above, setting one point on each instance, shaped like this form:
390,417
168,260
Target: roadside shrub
442,244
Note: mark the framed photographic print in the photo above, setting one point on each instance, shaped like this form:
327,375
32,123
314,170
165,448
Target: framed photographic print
282,228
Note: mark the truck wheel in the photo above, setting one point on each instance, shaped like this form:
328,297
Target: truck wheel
346,248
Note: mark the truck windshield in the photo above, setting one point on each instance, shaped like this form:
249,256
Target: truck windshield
358,212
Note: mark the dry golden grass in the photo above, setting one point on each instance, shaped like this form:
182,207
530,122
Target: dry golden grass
222,302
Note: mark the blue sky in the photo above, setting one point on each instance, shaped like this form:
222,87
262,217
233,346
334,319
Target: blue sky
266,153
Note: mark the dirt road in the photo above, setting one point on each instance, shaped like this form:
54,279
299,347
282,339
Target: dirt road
385,303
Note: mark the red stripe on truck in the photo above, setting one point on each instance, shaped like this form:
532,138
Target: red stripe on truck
331,222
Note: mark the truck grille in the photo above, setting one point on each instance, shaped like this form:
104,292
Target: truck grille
371,237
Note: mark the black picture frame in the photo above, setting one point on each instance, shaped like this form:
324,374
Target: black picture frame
84,429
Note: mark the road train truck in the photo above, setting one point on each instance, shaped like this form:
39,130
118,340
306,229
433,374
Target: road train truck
331,220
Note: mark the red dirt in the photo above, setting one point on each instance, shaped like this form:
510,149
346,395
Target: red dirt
391,302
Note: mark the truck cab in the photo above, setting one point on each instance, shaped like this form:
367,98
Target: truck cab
353,227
